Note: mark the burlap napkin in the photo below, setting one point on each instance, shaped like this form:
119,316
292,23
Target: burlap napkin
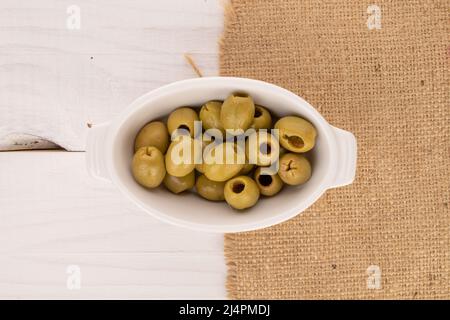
388,86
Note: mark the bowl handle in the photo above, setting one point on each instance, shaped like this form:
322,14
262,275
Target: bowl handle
346,158
95,151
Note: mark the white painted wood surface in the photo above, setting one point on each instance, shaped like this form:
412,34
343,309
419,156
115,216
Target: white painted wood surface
53,215
23,141
53,81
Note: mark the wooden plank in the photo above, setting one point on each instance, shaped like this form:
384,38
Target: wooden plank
53,215
57,79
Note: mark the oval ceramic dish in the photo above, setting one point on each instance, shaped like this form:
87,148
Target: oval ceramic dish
110,150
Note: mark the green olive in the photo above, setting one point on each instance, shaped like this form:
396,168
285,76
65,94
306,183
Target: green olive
153,134
294,169
200,166
180,157
237,112
179,184
241,192
262,118
182,118
148,167
210,115
208,189
296,134
282,151
269,184
246,169
262,148
222,162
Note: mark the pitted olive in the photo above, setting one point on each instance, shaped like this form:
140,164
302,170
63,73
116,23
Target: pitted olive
269,184
262,118
210,115
179,184
222,162
262,148
153,134
294,169
182,118
241,192
208,189
237,112
148,167
180,157
296,134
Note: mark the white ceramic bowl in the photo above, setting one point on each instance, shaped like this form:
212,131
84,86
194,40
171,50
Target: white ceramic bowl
110,150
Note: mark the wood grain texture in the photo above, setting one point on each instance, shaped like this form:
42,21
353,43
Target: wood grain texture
55,79
22,141
53,215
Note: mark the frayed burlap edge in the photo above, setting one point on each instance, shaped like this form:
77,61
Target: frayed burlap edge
231,265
